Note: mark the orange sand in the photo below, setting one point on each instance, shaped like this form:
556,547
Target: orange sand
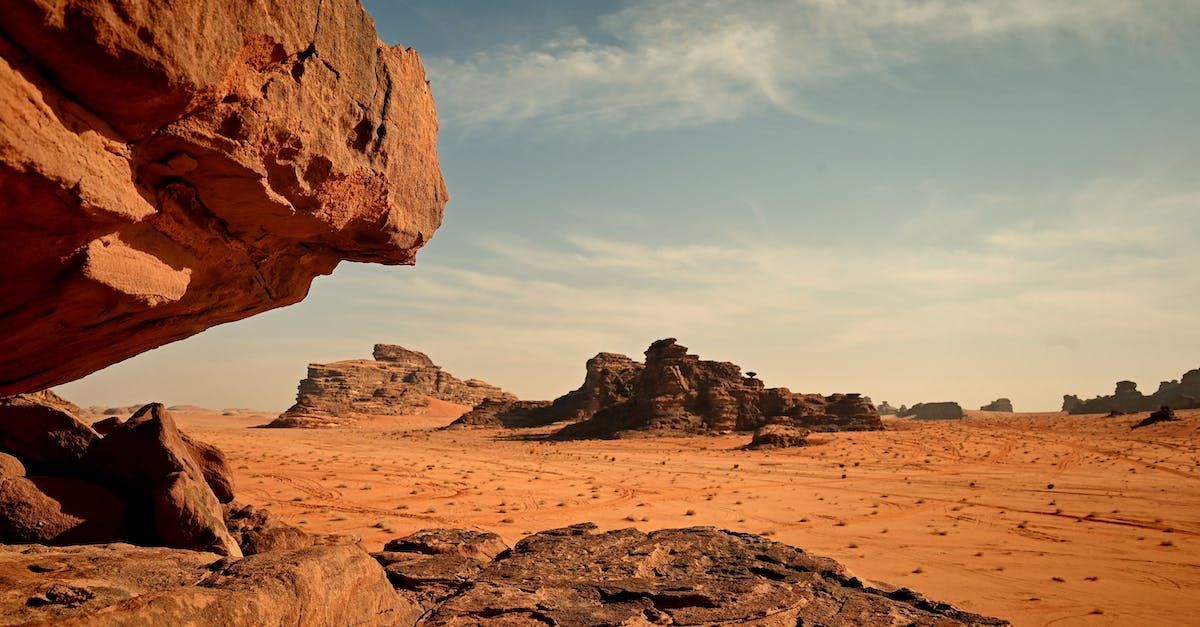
1039,518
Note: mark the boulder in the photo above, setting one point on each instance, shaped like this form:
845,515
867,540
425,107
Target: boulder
213,466
398,382
105,426
170,166
119,584
256,531
150,463
778,436
576,576
885,409
1000,404
483,545
55,510
43,431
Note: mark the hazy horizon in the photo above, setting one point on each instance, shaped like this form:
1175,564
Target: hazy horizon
915,200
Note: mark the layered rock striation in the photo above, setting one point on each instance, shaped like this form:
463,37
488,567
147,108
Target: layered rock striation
170,166
674,392
1183,393
397,382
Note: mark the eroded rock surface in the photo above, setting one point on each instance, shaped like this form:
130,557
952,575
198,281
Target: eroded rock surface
1126,398
169,166
576,576
398,382
778,436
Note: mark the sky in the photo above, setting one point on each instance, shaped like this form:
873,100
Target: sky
918,200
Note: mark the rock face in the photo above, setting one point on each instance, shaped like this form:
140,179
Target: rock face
1000,404
675,392
398,382
609,380
698,576
170,166
119,584
778,436
943,410
43,430
1181,394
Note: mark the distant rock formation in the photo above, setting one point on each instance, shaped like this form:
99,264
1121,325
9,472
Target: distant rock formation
1126,398
675,392
609,380
1164,414
885,409
778,435
1000,404
170,166
398,382
943,410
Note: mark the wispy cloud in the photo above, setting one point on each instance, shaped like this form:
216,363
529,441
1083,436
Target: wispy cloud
671,63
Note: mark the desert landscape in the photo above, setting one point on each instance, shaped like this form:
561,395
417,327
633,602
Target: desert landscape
1044,519
627,172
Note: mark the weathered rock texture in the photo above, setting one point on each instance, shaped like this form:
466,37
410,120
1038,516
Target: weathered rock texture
1181,394
942,410
778,436
119,584
169,166
609,380
398,382
1000,404
143,481
1163,414
679,393
699,576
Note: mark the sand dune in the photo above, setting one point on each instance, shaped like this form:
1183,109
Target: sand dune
1039,518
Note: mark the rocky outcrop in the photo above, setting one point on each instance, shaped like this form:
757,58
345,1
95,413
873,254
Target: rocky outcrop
170,166
1126,398
144,480
609,381
676,392
778,436
697,576
119,584
942,410
1163,414
1000,404
398,382
886,409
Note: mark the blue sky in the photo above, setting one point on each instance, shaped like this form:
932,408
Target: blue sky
918,200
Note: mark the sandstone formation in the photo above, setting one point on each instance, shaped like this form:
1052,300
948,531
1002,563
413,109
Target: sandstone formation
169,166
699,576
778,436
609,380
885,409
397,382
1000,404
679,393
943,410
144,480
1181,394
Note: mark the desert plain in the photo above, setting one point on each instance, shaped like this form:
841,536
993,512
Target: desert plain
1039,518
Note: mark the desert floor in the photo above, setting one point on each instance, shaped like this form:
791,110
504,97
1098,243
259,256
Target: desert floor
1039,518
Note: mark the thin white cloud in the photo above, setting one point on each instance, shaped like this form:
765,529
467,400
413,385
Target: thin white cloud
671,63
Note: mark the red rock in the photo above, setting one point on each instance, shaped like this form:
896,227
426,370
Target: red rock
44,431
398,382
169,166
213,466
55,510
778,436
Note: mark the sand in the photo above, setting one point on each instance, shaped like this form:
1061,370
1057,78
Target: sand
1043,519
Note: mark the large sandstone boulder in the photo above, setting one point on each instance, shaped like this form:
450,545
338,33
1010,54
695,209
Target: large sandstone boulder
55,510
675,392
43,430
698,576
169,166
398,382
941,410
778,436
149,461
119,584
